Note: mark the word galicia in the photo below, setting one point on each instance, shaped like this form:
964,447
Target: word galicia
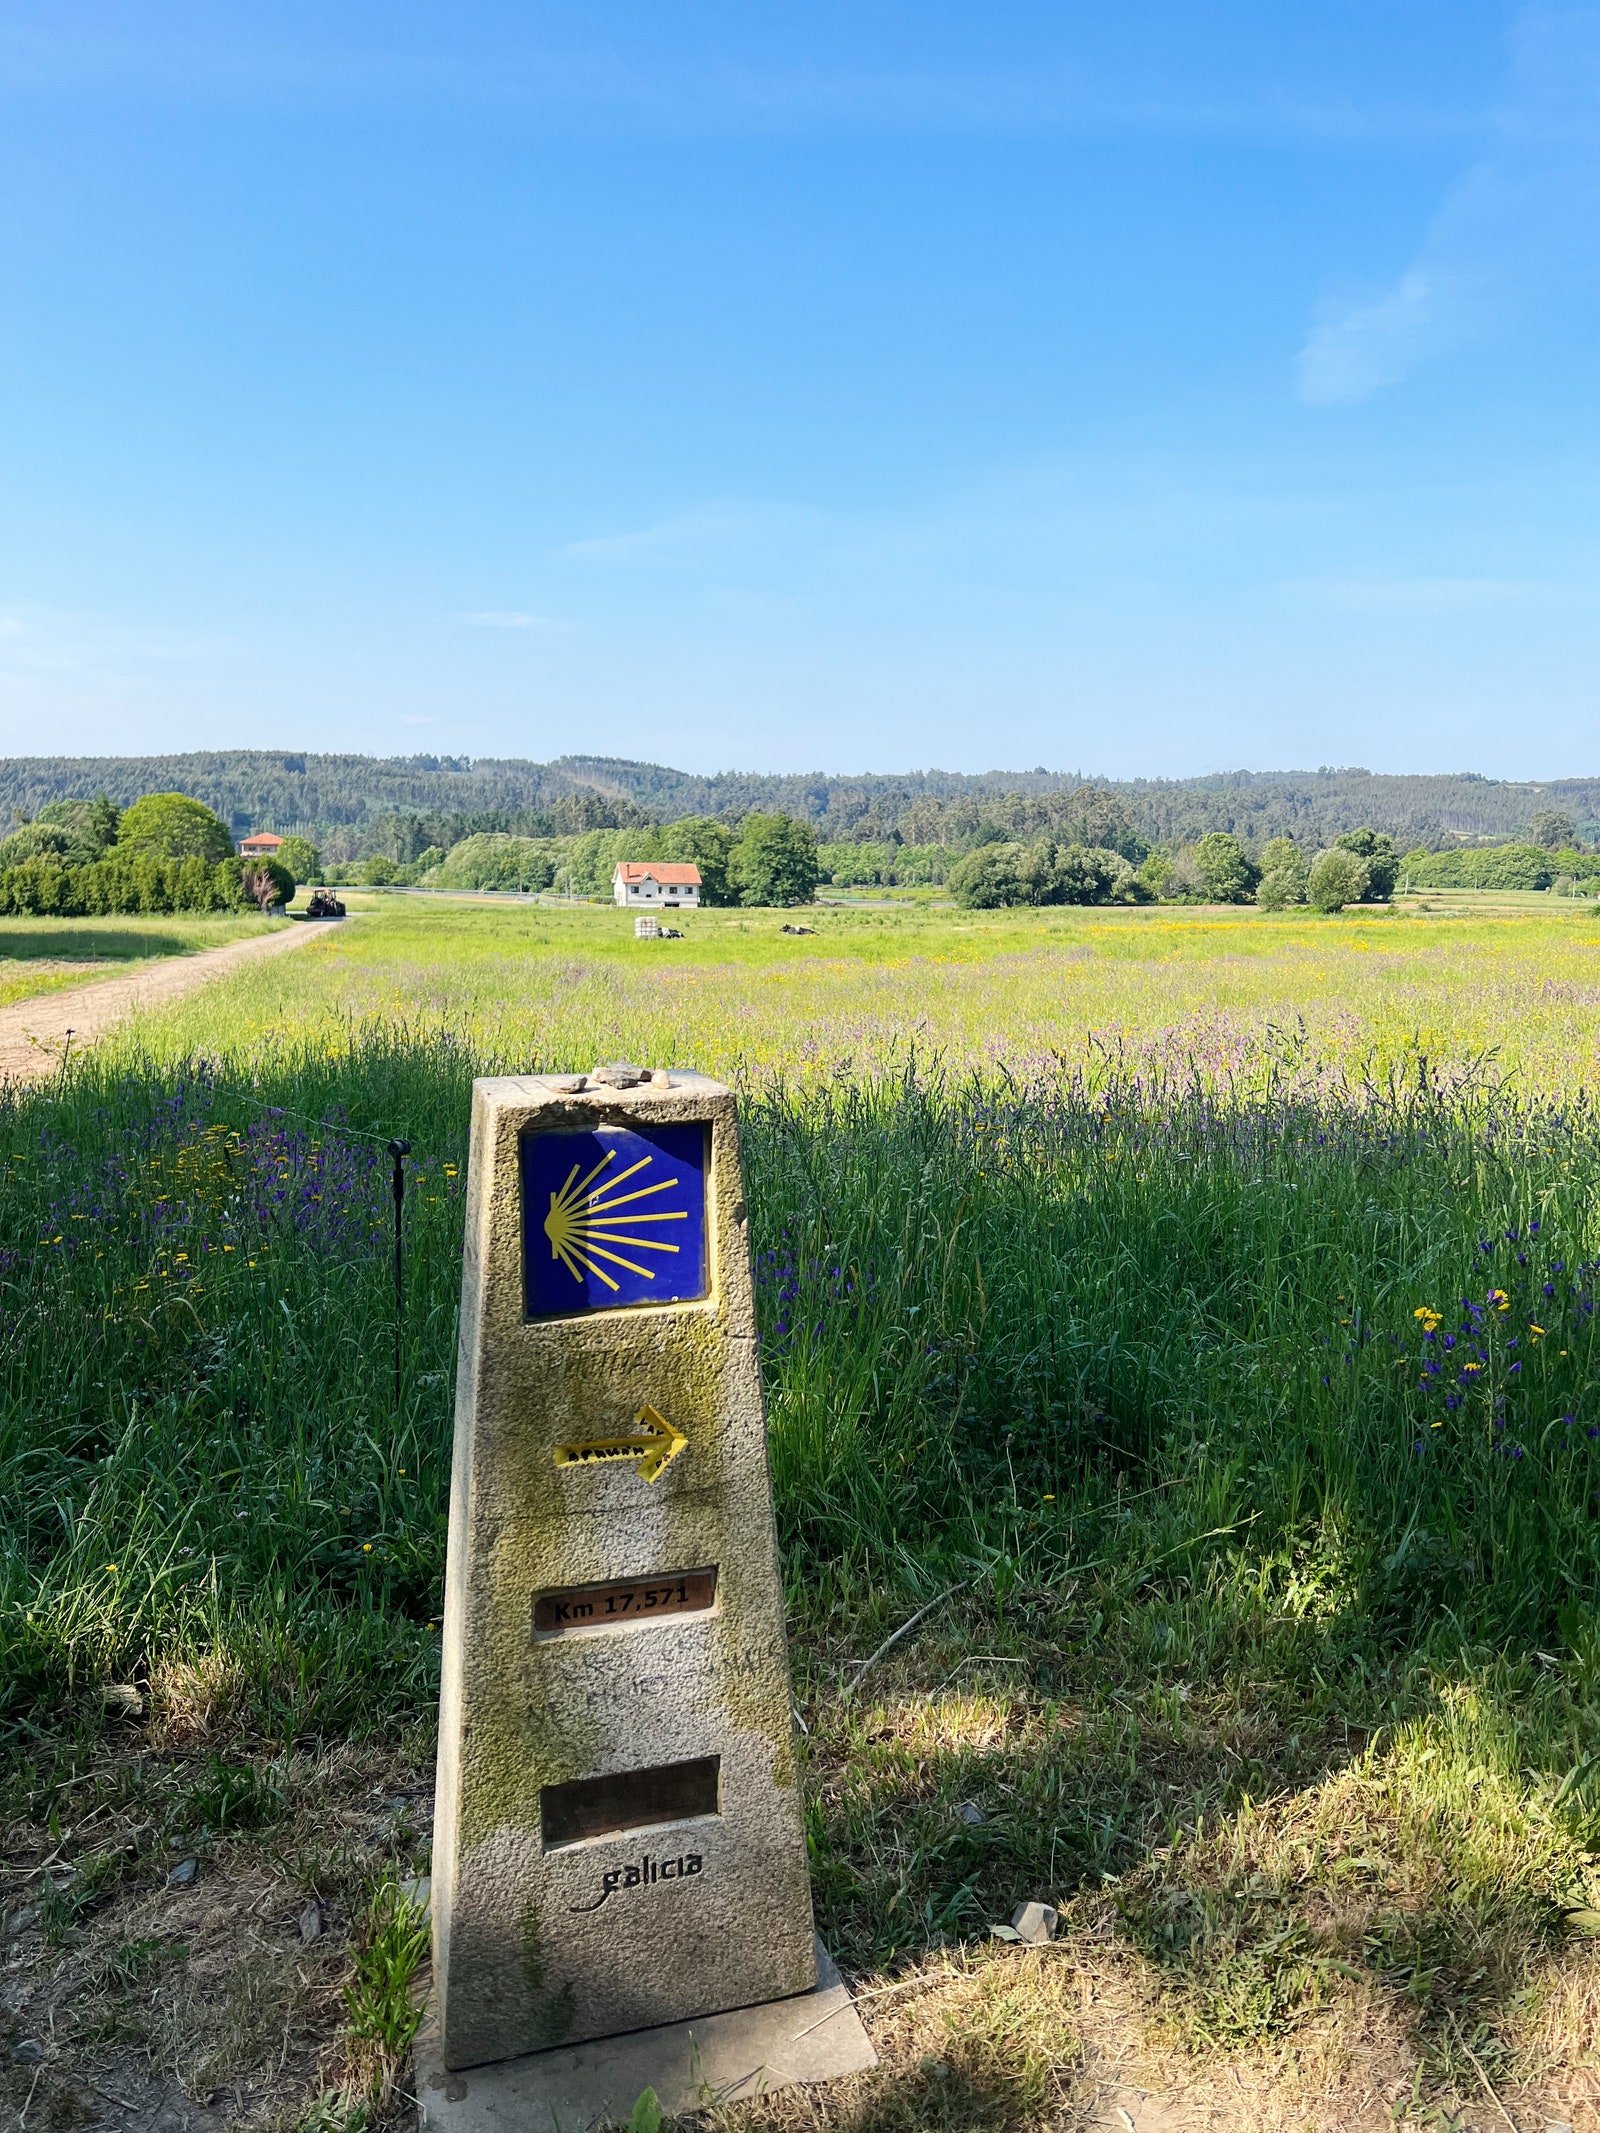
644,1875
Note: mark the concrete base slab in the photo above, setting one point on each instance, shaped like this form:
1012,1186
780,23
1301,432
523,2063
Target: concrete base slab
817,2036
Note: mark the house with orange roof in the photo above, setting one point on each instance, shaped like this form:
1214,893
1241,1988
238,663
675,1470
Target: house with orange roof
656,885
260,844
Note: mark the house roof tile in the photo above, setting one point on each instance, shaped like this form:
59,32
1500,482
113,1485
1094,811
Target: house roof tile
667,872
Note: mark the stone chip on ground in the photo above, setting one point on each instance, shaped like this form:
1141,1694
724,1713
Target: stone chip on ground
1034,1922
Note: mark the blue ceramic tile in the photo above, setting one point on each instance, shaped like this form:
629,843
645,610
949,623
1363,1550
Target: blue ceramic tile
613,1217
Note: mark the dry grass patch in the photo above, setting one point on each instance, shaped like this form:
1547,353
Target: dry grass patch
183,1931
193,1699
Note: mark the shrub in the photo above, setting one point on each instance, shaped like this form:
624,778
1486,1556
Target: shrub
1337,878
1092,874
856,865
267,882
494,860
998,876
1498,866
34,840
1182,881
1276,892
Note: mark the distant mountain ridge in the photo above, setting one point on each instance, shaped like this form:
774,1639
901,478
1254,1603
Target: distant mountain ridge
354,801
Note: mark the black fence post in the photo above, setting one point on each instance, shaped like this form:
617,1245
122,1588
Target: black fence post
398,1151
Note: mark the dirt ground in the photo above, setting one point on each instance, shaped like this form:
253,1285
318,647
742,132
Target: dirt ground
164,1972
161,1974
33,1033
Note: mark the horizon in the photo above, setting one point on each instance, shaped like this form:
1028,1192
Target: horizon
1157,386
450,762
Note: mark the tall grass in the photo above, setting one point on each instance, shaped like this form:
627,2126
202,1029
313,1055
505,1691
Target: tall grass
1010,1331
1012,989
992,1312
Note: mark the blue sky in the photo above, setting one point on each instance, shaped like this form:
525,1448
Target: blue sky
1142,388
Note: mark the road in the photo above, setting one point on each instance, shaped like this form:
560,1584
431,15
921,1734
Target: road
33,1033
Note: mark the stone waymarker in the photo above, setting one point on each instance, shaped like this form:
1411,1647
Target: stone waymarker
618,1841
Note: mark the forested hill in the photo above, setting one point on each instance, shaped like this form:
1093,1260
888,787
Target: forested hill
348,799
269,789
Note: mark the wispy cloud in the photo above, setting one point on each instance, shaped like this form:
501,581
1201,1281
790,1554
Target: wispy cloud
693,539
1423,595
504,618
1354,350
1519,214
830,80
63,669
61,640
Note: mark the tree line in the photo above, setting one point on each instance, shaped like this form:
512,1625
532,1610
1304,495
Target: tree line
766,859
167,852
353,806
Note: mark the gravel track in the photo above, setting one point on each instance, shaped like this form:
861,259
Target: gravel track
33,1033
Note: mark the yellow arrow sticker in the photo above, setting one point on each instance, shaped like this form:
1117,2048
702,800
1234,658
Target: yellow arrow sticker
655,1450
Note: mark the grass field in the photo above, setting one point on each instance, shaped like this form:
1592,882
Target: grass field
1193,1311
1241,993
52,955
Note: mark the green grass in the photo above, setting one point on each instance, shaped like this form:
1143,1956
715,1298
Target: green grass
1241,1637
1247,995
51,955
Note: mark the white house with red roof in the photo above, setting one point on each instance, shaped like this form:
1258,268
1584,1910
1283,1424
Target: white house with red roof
260,844
656,885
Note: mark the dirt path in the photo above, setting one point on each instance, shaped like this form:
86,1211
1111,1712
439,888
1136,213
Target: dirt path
33,1033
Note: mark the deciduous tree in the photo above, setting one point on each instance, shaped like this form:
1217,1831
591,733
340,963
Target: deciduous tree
1228,875
301,857
169,825
1378,855
774,861
1337,878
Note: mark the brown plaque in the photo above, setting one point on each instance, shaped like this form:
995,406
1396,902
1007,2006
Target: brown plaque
669,1592
630,1799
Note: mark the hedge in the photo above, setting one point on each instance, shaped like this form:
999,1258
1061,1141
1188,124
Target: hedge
1496,866
40,888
